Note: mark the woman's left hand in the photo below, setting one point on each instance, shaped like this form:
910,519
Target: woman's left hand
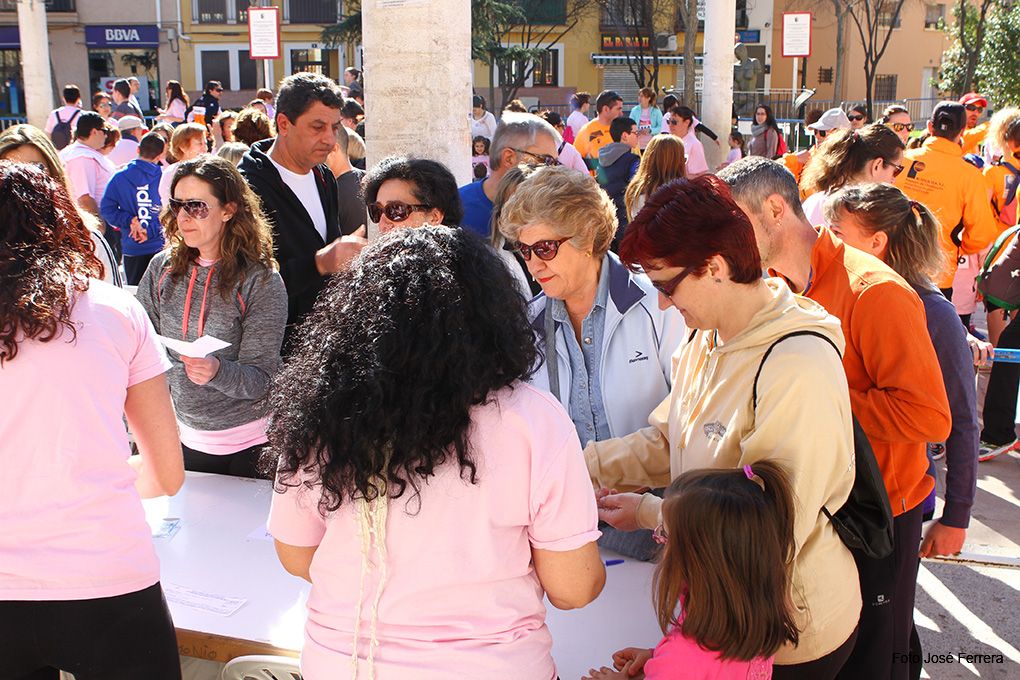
605,673
620,510
981,350
200,371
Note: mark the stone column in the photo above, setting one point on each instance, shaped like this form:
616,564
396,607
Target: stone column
417,64
717,100
35,60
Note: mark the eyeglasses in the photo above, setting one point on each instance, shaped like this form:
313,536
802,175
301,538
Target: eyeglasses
218,89
900,127
395,211
195,208
975,107
544,250
667,287
543,159
897,168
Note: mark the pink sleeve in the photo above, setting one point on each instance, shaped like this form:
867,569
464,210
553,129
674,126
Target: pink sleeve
51,122
676,658
149,358
563,513
81,174
294,516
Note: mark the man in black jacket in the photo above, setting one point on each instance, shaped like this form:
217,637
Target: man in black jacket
298,191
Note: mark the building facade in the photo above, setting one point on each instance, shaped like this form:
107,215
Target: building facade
92,43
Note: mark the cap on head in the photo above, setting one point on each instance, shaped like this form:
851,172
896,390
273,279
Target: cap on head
948,119
130,123
974,98
833,119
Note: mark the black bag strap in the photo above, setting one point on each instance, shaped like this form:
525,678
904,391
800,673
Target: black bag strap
794,334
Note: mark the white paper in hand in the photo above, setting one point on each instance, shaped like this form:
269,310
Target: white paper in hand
196,349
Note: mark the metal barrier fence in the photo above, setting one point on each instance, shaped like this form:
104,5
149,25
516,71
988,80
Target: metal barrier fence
8,121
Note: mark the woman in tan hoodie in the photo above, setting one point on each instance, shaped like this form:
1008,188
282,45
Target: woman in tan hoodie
759,379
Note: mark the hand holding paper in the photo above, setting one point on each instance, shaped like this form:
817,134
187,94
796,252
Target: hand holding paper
199,348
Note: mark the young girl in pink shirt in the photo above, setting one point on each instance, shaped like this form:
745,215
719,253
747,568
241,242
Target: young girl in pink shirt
728,538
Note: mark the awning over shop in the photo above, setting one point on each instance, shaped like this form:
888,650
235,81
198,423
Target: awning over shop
9,38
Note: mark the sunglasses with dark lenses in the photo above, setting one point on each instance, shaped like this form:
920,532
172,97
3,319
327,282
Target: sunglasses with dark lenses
195,208
900,127
395,211
541,158
544,250
855,117
897,168
975,107
667,287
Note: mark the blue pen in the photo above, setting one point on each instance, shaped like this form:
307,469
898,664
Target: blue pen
610,563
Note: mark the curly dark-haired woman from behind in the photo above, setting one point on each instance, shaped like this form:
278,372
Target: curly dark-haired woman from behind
79,589
419,479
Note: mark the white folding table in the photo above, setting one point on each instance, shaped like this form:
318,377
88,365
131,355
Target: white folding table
218,553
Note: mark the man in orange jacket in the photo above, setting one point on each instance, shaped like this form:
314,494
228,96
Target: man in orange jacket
937,175
896,389
974,136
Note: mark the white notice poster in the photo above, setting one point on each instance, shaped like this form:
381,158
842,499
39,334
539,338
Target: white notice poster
264,32
797,34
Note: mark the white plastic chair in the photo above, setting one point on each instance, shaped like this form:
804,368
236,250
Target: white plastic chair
261,668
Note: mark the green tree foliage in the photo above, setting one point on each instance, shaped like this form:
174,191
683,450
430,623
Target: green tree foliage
987,50
959,70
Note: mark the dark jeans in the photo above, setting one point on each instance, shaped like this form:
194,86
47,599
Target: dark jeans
824,668
241,464
135,266
125,637
1000,399
887,613
112,235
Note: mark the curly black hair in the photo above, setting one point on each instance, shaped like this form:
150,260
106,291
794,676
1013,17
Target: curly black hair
46,257
424,325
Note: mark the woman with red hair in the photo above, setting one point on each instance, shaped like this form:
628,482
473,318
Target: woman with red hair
760,379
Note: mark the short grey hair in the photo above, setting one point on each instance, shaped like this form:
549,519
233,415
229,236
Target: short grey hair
755,178
517,130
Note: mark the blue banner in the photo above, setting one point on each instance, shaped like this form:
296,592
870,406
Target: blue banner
750,36
121,36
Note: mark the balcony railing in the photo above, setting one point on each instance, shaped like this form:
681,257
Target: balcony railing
311,11
51,5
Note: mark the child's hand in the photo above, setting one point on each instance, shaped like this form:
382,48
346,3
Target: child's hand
631,660
605,673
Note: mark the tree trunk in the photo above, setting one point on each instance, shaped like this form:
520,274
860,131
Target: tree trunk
837,79
492,82
690,48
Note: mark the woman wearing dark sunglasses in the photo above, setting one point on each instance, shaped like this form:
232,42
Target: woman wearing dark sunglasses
218,278
761,379
897,119
847,157
411,192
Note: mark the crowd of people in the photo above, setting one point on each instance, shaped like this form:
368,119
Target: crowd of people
599,342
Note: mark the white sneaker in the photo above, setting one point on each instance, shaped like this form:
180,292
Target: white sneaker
987,452
937,451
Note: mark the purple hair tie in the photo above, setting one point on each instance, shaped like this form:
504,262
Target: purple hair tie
749,472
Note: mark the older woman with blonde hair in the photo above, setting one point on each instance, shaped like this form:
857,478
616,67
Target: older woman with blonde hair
218,277
188,141
594,316
28,144
663,161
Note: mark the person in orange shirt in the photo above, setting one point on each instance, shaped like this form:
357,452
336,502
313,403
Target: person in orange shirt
595,134
896,389
819,124
974,136
937,176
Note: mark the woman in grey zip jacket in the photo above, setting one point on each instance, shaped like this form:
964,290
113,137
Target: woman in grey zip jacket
218,278
612,342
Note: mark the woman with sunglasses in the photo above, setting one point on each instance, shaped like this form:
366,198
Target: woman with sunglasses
760,379
411,192
847,157
79,585
897,119
858,116
606,342
217,277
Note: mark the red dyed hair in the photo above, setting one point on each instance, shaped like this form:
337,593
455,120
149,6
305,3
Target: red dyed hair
685,223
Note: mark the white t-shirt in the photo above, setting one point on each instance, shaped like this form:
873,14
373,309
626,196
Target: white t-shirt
696,163
65,112
814,209
577,120
484,126
307,192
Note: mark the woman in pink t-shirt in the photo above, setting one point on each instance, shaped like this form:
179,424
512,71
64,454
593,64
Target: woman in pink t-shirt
79,581
721,588
429,495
